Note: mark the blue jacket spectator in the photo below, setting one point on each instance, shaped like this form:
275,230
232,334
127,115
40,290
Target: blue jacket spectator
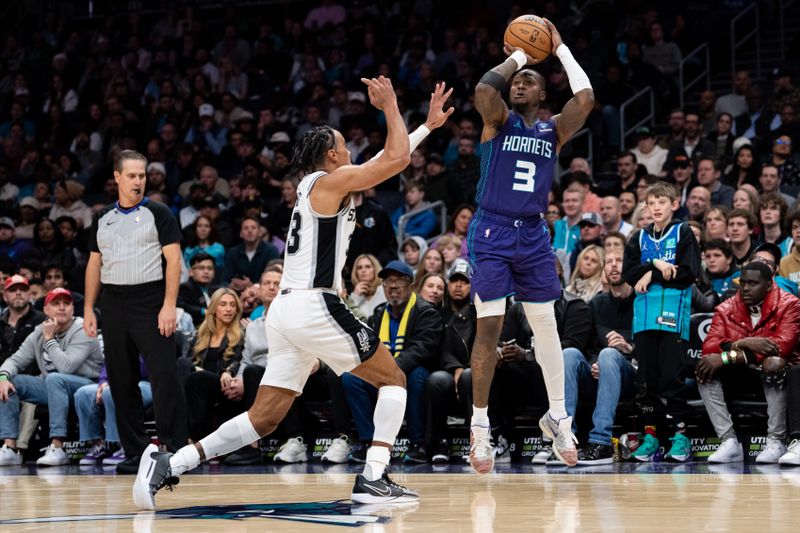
422,224
208,133
245,262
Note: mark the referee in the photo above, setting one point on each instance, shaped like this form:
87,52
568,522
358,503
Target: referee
129,241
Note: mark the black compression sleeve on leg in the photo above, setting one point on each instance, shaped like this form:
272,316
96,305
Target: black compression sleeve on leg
495,80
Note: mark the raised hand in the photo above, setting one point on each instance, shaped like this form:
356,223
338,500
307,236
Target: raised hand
508,49
380,91
49,327
555,37
437,116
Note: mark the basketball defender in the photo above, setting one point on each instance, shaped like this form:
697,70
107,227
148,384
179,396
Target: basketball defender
308,320
508,240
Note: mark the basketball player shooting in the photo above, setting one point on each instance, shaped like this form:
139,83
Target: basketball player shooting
308,320
509,243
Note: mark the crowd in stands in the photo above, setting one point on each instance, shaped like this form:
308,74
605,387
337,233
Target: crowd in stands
216,100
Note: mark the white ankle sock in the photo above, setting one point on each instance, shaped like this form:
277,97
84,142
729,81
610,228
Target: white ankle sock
480,416
184,459
377,459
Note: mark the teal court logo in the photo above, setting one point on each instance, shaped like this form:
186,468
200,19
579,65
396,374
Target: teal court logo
334,513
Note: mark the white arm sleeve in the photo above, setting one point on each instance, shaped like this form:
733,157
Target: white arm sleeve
578,80
415,138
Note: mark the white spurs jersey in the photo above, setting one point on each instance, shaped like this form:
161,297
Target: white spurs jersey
316,246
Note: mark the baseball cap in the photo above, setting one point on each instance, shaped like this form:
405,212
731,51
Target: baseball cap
57,293
590,218
206,110
209,201
741,141
680,159
356,96
244,115
6,221
772,249
157,167
396,267
460,269
643,132
16,279
30,201
280,137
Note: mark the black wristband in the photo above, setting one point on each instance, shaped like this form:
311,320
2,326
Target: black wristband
495,80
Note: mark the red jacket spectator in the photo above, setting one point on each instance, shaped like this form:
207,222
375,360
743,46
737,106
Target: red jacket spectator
780,321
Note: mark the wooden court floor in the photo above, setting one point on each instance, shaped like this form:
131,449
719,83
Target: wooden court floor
287,502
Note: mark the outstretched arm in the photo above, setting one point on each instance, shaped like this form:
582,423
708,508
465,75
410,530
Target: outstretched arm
573,116
488,93
437,116
394,159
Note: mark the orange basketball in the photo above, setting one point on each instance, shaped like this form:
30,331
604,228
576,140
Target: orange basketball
530,33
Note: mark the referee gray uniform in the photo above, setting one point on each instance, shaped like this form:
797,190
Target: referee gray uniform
132,280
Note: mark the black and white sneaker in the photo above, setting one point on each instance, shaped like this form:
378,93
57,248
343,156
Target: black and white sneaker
442,454
154,474
381,490
595,454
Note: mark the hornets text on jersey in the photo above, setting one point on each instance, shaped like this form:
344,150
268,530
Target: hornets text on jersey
517,168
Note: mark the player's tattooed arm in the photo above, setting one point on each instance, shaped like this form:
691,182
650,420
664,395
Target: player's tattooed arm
488,93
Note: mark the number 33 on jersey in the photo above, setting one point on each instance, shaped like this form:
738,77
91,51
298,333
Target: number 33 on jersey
316,246
517,168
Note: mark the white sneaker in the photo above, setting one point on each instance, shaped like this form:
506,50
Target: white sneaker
543,455
154,474
53,457
292,451
9,457
792,455
772,453
560,432
338,451
729,451
481,451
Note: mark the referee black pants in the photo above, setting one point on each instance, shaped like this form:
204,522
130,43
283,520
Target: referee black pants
130,328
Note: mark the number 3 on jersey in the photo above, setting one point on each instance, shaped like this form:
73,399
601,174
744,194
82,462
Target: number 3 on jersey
523,177
293,241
